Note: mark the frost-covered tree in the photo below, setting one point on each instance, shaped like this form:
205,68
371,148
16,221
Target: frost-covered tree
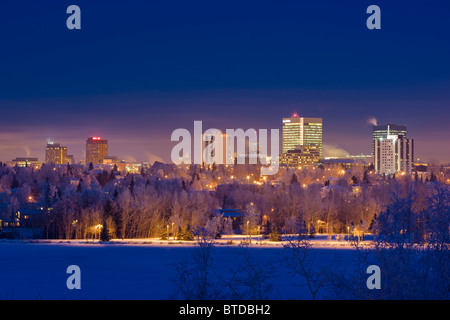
251,220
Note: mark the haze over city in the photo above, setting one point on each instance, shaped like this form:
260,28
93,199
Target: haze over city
243,66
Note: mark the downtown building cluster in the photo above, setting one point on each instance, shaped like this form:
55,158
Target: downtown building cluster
96,151
392,151
301,145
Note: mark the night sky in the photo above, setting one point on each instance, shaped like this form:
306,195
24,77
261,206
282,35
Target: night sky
137,70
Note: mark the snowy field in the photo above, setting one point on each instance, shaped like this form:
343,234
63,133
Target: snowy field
139,269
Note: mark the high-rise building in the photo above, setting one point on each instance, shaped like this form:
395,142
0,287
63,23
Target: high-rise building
300,131
394,154
55,153
381,132
96,150
303,135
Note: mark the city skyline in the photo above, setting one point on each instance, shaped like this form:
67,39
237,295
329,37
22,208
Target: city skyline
378,132
159,66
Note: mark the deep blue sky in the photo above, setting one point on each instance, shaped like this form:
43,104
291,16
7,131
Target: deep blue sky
137,70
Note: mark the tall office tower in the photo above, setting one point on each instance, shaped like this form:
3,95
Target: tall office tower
300,131
384,130
56,154
394,154
96,150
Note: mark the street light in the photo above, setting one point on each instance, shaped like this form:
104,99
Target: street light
168,233
348,233
250,237
173,235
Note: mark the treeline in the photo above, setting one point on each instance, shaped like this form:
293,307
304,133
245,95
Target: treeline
80,203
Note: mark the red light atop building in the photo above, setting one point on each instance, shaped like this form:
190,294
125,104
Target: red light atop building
295,115
96,138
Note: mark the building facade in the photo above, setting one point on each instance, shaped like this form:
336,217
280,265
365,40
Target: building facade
394,154
25,162
55,153
302,156
301,141
300,131
96,150
382,131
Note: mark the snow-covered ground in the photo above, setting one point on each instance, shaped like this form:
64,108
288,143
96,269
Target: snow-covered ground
140,268
319,241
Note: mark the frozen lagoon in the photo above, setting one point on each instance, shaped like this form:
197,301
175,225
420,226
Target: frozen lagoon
132,270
